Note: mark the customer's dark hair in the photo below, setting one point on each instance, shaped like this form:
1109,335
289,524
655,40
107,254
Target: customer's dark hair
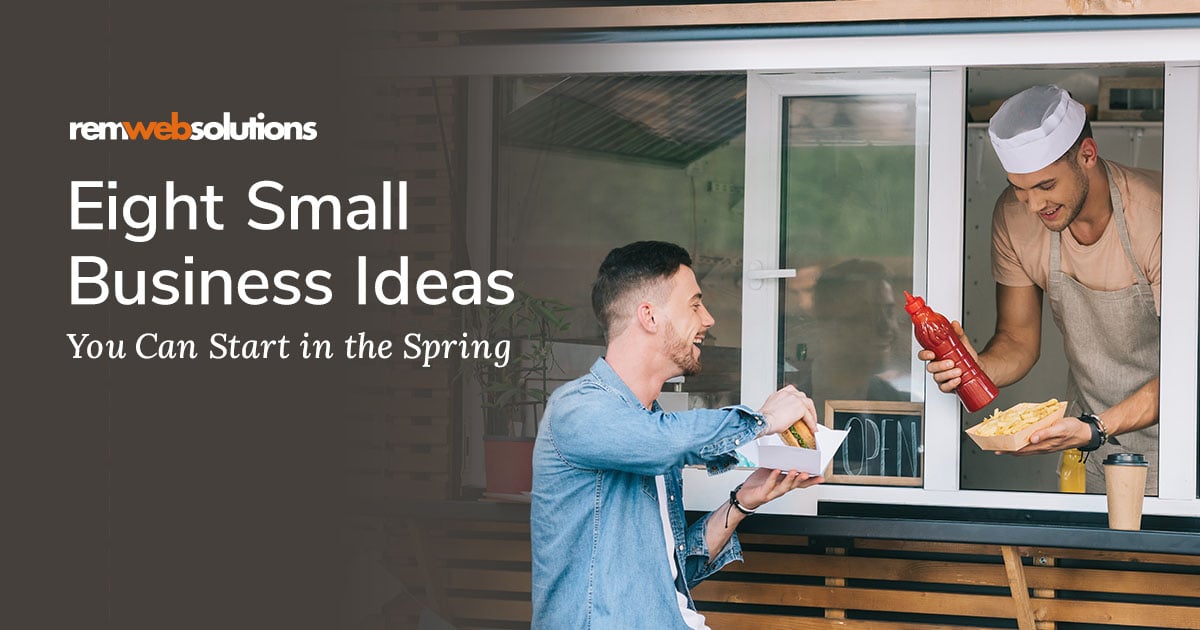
629,268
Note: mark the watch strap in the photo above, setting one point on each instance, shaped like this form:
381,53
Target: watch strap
1099,434
733,500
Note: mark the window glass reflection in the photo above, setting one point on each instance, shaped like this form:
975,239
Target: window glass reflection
849,198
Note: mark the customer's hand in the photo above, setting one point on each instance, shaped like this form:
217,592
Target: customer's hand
785,407
767,484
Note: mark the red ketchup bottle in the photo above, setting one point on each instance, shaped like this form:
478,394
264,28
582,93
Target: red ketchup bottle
933,332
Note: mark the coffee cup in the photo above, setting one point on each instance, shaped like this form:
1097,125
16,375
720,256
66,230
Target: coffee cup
1125,484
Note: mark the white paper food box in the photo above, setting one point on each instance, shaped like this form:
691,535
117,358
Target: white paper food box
770,452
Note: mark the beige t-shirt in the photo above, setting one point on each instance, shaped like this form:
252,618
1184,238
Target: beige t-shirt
1021,244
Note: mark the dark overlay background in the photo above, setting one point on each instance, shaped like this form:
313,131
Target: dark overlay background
175,494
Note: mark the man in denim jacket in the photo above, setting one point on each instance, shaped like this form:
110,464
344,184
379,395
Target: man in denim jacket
611,548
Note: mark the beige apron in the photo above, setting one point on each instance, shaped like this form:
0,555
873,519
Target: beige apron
1111,339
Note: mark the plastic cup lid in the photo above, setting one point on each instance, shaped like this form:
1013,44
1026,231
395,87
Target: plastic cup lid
1125,459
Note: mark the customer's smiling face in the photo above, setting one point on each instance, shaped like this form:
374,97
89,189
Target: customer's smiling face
684,320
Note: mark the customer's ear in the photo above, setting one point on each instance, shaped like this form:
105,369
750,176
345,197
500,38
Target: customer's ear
646,318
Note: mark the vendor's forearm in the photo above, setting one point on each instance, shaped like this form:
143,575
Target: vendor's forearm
1138,411
1006,360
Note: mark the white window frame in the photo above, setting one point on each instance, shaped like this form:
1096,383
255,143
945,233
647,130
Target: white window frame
947,56
765,93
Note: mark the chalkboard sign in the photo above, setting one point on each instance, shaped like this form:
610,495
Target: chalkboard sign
884,446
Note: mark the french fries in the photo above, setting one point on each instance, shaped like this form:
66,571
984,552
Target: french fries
1016,418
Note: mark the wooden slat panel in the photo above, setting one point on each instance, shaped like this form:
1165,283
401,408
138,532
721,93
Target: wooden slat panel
1108,581
1050,552
855,599
930,547
1117,613
770,539
1115,556
746,621
938,572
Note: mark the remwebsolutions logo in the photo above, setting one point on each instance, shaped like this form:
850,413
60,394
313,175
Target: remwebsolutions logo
253,128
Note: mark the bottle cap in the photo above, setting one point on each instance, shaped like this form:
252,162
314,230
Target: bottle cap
1125,459
912,304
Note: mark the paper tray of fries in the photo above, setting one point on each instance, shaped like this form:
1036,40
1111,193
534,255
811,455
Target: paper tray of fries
1009,430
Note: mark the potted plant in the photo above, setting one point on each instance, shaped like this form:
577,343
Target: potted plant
513,395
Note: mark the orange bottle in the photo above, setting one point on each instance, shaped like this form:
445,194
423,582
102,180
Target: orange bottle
933,332
1072,475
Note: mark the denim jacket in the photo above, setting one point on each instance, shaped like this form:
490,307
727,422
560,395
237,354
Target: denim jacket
597,536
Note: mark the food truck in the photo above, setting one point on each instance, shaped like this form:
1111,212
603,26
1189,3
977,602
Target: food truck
817,167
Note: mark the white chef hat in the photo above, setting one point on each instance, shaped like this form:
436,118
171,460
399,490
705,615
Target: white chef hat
1035,127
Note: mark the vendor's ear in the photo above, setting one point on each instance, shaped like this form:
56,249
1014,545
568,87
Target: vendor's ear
645,317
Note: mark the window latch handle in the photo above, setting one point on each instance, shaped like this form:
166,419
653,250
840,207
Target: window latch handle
757,275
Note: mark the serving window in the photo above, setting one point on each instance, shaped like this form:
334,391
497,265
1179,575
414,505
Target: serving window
811,200
1135,143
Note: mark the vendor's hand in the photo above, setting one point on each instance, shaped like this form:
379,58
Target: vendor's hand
944,373
767,484
785,407
1065,433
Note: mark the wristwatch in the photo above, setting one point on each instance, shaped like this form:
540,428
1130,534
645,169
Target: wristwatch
1099,432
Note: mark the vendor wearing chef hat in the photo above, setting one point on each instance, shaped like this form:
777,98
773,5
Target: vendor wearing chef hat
1087,233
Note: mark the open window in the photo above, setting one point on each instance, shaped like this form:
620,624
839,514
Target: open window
773,179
